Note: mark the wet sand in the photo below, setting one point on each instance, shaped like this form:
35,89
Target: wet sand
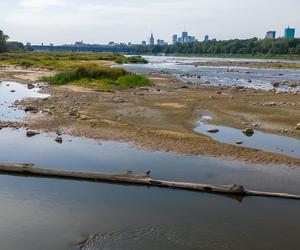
162,117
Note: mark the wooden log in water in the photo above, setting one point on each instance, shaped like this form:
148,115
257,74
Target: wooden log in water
136,179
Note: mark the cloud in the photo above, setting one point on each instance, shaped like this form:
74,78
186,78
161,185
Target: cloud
40,5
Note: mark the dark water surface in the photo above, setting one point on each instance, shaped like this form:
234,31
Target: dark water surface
55,214
259,140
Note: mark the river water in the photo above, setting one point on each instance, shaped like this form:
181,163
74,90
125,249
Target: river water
57,214
225,76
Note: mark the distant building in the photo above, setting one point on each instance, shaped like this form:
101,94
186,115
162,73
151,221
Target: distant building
152,41
289,33
271,35
175,39
185,37
160,42
144,43
129,44
81,43
206,38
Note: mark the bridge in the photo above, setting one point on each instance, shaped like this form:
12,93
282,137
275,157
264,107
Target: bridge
91,48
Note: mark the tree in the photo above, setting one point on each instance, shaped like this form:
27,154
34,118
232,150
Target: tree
3,39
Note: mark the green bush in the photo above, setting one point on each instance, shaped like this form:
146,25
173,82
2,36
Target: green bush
130,81
98,77
88,72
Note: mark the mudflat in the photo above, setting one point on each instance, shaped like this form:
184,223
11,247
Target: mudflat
162,117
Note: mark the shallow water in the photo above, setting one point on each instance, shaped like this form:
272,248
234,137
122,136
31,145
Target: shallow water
10,92
57,214
259,140
260,78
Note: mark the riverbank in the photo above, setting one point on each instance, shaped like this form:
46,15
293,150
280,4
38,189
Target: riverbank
254,64
162,117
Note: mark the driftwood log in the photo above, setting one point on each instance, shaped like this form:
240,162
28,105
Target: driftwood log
136,179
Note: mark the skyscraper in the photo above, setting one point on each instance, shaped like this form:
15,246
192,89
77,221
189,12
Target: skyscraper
175,39
184,37
152,41
271,35
289,33
206,38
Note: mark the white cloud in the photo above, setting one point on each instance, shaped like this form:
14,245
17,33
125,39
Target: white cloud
40,5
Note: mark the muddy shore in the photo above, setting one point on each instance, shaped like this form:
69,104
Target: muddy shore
162,117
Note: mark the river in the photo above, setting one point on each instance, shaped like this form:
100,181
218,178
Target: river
256,78
58,214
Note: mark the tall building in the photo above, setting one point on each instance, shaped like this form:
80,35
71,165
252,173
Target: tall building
175,39
144,43
152,41
161,42
206,38
271,35
289,33
185,37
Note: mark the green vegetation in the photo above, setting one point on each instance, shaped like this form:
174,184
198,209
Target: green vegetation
131,59
15,47
64,61
131,80
93,75
3,39
252,47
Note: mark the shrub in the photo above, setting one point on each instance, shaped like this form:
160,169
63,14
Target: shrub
98,77
129,81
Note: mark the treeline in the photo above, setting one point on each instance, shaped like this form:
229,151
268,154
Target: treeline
236,46
6,46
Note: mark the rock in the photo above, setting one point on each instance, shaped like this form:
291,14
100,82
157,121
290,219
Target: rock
30,86
298,126
292,85
239,142
119,100
31,108
249,81
213,130
284,130
59,139
12,91
276,84
248,131
30,133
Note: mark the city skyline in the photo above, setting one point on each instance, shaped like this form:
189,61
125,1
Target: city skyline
102,21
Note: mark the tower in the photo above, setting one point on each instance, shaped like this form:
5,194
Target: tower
152,41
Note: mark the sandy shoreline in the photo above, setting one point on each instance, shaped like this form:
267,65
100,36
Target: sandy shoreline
162,117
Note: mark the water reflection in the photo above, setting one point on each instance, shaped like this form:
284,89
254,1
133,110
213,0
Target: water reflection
58,214
10,92
259,140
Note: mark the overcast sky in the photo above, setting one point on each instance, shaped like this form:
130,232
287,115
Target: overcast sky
101,21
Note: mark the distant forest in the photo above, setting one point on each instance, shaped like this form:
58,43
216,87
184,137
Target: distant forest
9,46
250,46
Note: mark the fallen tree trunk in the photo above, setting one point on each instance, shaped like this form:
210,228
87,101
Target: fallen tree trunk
137,179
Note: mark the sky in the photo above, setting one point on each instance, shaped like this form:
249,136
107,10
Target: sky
101,21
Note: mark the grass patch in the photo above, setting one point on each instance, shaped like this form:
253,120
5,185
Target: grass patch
65,61
95,76
131,81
